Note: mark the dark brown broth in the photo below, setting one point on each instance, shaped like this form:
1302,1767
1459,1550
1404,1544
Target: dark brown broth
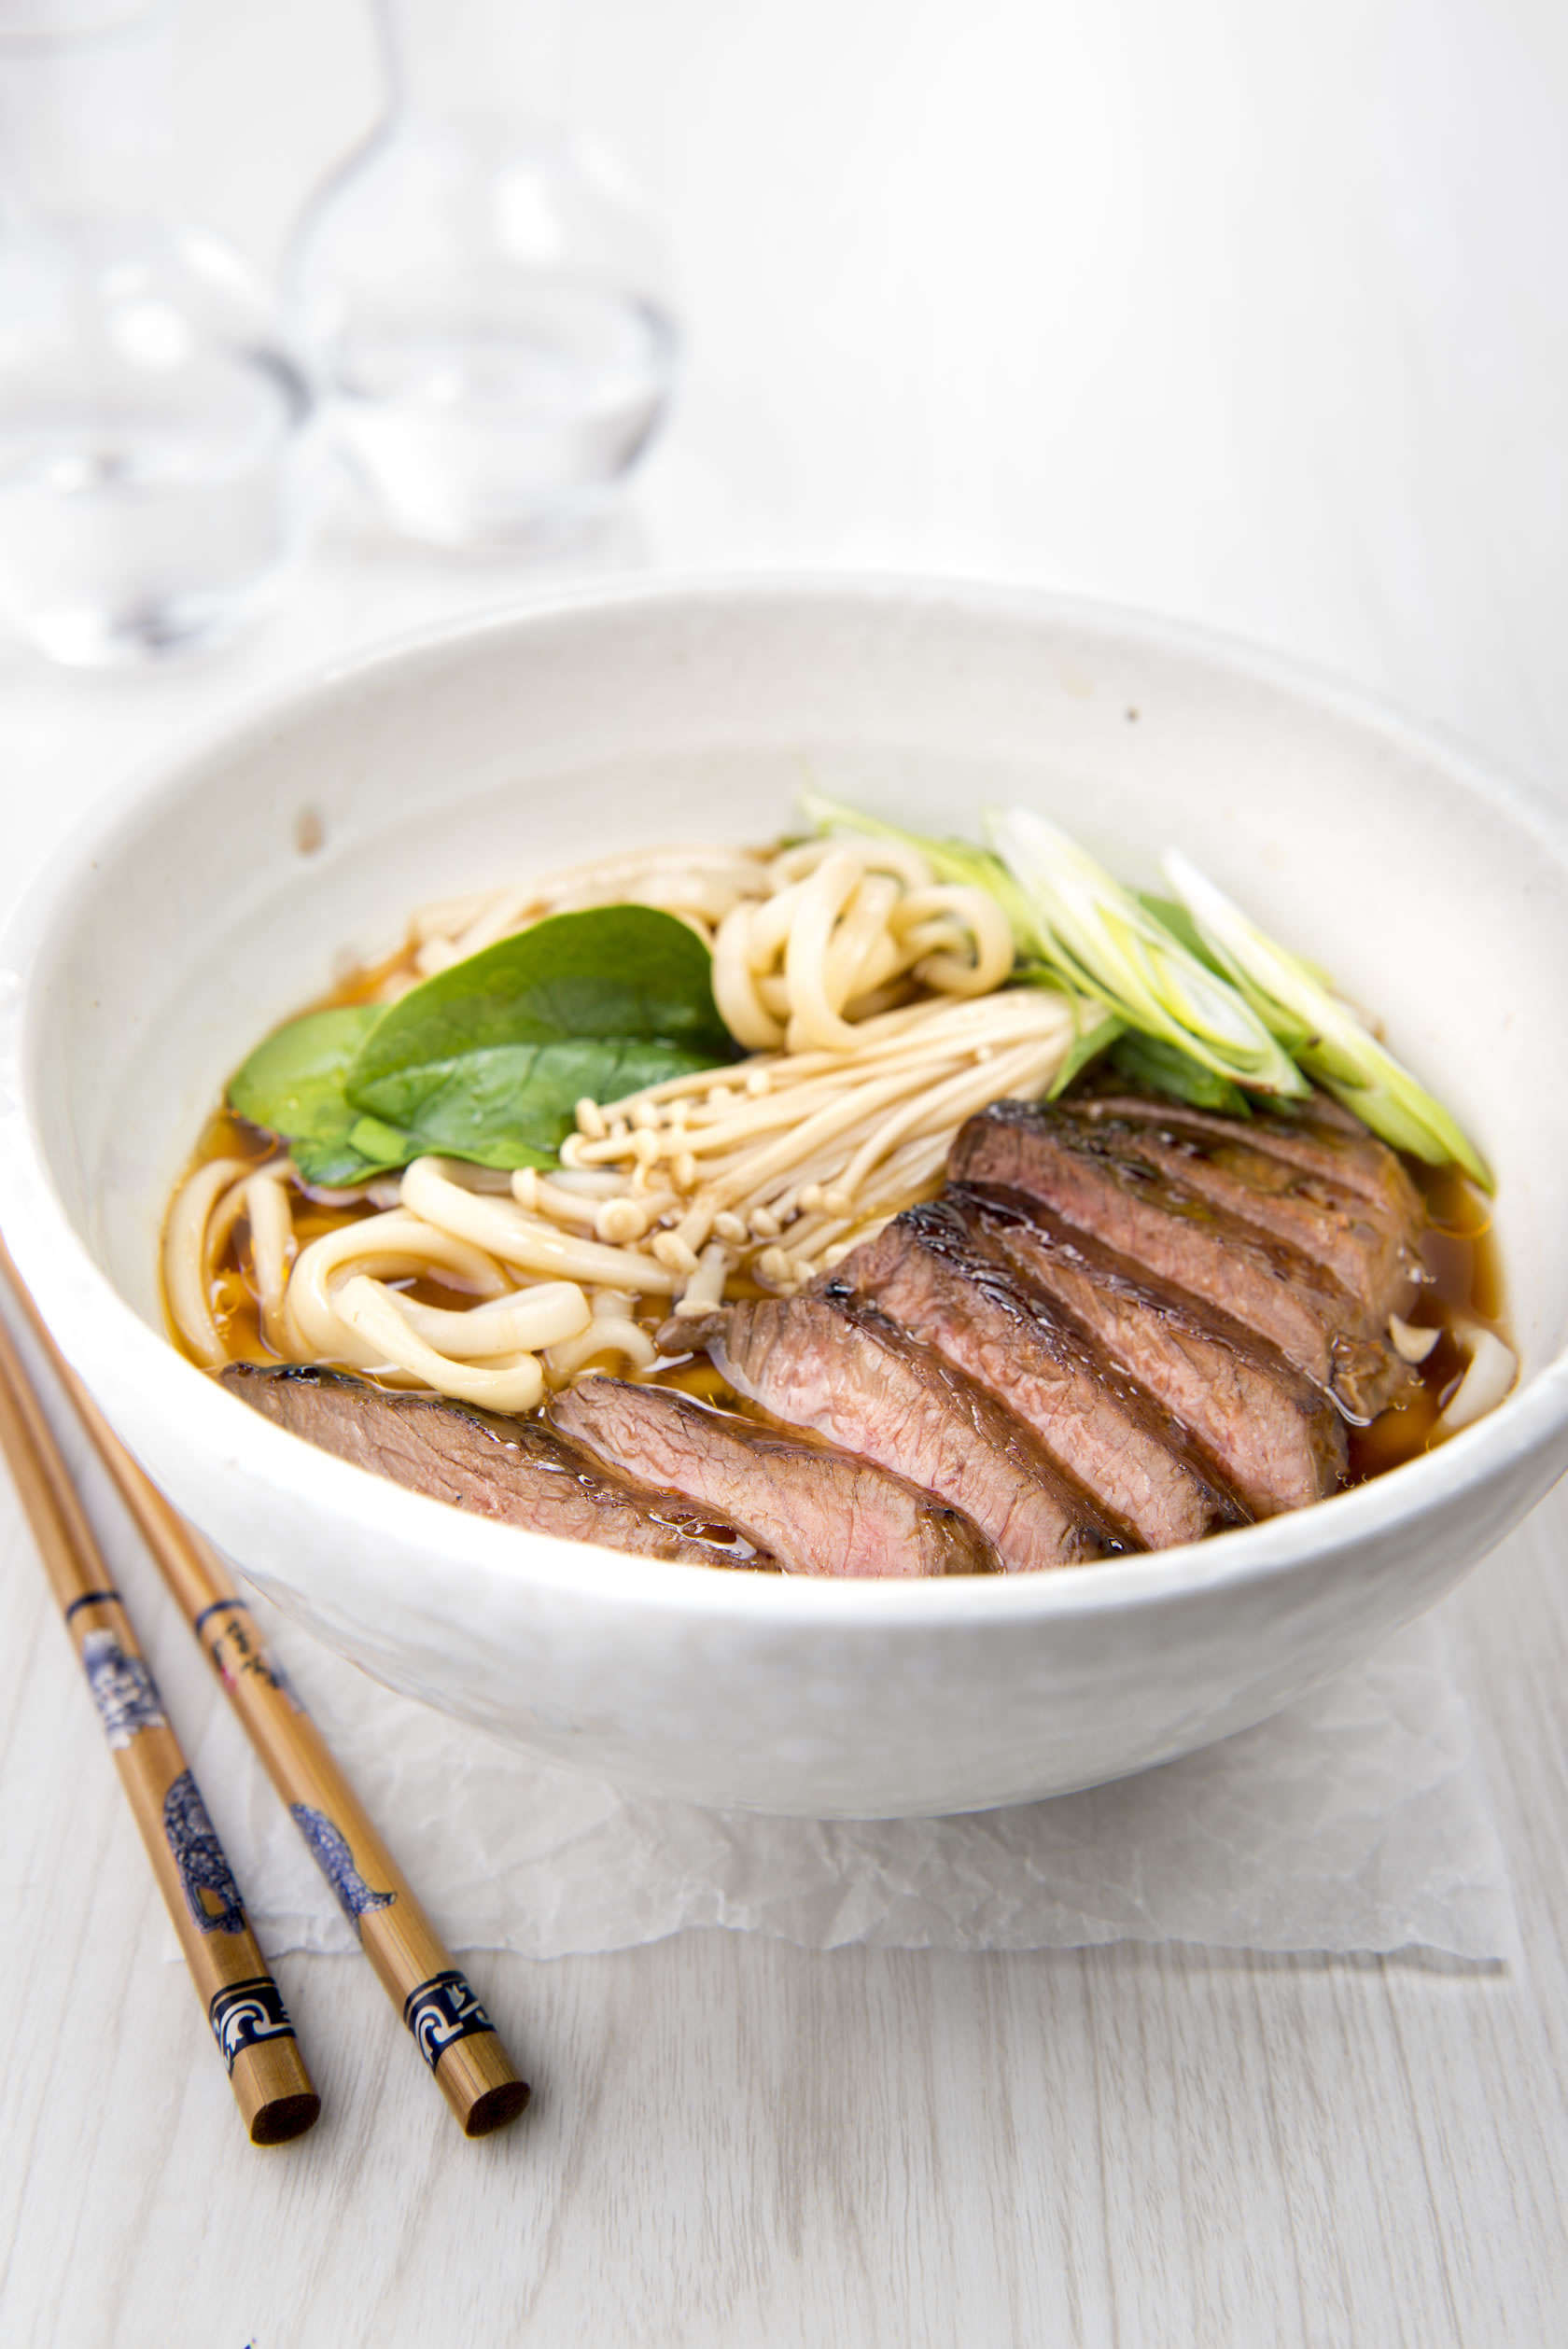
1464,1282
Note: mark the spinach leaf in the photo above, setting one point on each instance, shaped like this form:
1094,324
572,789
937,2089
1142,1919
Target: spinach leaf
1154,1065
293,1086
489,1059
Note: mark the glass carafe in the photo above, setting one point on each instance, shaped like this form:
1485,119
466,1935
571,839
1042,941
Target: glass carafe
484,309
155,449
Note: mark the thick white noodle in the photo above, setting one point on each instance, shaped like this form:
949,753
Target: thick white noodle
189,1251
814,1020
606,1342
272,1247
501,1227
734,987
847,919
373,1313
393,1246
524,1323
977,913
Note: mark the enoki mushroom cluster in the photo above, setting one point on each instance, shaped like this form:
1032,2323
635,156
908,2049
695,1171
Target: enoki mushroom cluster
791,1158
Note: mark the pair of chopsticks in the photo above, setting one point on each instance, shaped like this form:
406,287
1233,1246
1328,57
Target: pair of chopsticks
249,2024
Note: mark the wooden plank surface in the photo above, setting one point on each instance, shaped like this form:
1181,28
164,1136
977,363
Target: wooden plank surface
733,2140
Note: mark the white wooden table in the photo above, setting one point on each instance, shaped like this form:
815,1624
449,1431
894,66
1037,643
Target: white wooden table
1257,315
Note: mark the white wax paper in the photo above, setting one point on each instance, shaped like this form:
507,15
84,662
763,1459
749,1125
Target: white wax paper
1357,1820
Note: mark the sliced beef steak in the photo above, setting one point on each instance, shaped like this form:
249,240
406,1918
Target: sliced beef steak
1275,1438
517,1470
1318,1136
1368,1243
815,1509
1139,1212
933,1273
861,1382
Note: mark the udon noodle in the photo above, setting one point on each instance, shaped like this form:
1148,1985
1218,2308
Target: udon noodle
872,1002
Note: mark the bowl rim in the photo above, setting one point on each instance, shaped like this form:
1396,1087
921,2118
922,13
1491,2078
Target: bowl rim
113,1349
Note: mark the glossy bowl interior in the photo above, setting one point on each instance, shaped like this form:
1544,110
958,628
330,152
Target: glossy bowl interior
218,896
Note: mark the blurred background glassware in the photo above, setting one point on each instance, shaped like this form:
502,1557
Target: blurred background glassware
482,305
156,468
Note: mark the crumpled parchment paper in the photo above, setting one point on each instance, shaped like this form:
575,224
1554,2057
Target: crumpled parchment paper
1358,1821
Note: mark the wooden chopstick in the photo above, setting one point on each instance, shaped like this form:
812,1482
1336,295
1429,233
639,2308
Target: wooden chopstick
249,2022
449,2026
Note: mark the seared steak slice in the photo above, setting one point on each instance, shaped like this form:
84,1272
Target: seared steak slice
862,1383
933,1275
1368,1243
1267,1286
1318,1136
517,1470
1275,1438
817,1510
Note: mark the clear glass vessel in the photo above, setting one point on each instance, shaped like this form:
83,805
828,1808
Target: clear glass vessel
485,309
156,473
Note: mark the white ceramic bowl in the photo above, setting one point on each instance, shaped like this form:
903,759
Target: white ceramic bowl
174,933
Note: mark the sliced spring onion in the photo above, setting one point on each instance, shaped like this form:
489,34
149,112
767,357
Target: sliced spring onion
1151,1066
1324,1033
1094,1032
1104,942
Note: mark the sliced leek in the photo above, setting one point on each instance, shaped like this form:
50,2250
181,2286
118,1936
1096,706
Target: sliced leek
1324,1033
1194,974
1105,943
1093,1032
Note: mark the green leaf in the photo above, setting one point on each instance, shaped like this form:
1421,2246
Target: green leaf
293,1083
514,1105
1154,1065
293,1086
338,1165
1096,1029
488,1060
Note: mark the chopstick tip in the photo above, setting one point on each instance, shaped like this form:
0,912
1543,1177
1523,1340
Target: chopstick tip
496,2108
285,2116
